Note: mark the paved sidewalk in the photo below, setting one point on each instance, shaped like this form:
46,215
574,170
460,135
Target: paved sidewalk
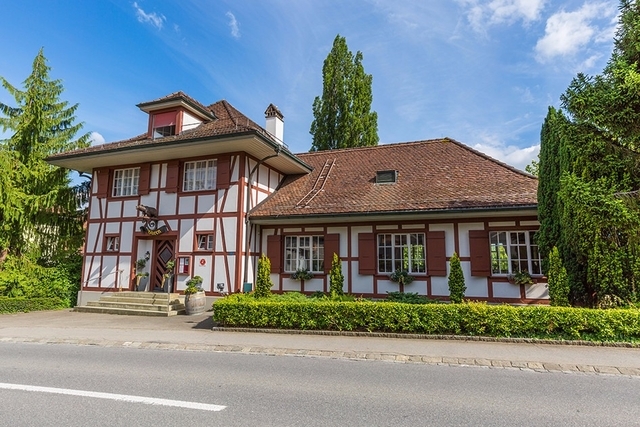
194,333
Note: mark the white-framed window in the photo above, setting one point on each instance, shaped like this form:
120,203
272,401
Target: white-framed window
113,243
125,182
199,175
304,252
205,242
162,131
401,252
164,124
513,251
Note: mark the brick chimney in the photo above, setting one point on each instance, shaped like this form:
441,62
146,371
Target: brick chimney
275,122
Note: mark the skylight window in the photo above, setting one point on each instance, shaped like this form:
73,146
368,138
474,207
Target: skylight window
386,177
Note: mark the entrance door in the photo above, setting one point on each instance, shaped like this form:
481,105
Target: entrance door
164,250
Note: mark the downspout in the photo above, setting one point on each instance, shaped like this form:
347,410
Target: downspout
247,231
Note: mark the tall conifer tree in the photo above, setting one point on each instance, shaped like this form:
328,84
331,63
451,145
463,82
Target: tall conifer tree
590,174
39,210
343,116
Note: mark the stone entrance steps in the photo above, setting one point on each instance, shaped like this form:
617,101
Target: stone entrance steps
136,304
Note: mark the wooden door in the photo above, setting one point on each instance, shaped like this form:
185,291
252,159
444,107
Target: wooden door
164,252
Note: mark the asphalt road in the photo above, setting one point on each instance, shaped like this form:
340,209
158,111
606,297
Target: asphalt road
261,390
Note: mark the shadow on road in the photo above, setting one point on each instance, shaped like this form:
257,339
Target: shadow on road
206,323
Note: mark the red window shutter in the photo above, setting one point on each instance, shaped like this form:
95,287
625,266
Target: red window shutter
274,252
102,176
173,175
436,254
366,253
143,180
480,256
224,174
331,246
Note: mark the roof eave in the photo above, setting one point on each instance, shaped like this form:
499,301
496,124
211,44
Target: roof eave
67,160
151,106
498,211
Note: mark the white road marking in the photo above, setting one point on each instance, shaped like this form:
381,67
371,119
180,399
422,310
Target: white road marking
112,396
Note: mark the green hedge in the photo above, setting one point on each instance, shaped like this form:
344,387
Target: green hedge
472,319
17,305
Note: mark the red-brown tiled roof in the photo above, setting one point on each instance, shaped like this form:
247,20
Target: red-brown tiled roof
433,175
228,121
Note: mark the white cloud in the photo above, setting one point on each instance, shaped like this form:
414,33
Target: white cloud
233,24
568,33
511,155
517,157
511,10
483,13
96,139
152,18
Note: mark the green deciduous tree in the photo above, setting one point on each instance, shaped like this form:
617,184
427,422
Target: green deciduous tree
263,280
40,213
457,287
589,174
532,168
343,116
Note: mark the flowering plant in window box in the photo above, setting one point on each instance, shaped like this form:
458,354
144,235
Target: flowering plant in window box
402,277
521,277
302,274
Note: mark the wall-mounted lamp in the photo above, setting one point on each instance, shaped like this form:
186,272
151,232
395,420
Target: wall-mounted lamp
147,256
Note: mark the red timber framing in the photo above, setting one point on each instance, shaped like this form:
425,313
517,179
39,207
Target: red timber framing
160,186
359,255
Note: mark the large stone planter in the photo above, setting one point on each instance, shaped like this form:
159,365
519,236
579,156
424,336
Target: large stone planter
167,285
195,303
141,283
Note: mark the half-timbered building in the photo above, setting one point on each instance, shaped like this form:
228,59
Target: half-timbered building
210,190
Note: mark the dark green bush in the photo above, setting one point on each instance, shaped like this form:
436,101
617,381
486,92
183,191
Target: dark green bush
17,305
472,319
407,298
22,277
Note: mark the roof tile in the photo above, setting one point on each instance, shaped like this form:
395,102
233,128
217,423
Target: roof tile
440,174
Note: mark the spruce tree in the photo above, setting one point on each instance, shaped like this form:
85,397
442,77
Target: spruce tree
343,116
336,278
263,279
457,286
39,210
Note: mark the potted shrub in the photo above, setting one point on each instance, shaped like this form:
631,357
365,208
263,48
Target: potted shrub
194,297
167,277
142,277
401,277
302,274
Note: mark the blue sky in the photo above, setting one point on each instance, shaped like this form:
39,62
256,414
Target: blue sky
480,71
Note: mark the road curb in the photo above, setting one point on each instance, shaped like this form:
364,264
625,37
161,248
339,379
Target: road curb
347,355
430,337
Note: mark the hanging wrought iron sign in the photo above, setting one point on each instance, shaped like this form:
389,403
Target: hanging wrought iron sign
150,221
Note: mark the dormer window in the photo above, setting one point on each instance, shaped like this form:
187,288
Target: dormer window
164,124
386,177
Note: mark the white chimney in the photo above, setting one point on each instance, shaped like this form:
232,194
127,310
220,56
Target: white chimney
275,122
